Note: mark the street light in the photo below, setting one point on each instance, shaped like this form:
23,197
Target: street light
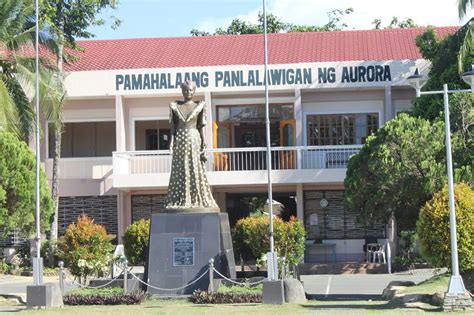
456,285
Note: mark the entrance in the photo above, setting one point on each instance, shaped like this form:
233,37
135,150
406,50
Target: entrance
242,205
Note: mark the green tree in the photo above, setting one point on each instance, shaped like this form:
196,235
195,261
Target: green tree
17,69
467,48
276,25
17,187
397,171
395,23
442,52
68,20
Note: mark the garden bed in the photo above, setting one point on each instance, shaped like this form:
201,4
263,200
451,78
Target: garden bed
112,296
229,294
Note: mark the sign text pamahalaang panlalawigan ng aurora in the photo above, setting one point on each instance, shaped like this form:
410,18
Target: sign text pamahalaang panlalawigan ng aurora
253,77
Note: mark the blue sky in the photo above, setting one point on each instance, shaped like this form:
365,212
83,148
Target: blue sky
166,18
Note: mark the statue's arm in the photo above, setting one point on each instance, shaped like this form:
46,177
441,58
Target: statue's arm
202,122
171,120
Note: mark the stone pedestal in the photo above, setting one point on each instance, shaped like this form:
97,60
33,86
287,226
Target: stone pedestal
44,296
273,292
181,245
457,302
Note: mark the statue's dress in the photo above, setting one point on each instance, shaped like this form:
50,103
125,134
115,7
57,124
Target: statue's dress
188,188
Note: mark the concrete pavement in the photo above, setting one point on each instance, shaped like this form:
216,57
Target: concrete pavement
359,286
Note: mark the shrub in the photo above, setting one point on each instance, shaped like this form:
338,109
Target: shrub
206,297
252,234
86,248
109,296
241,289
434,233
135,241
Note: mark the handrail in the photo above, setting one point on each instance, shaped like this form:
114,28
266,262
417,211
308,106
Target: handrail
246,149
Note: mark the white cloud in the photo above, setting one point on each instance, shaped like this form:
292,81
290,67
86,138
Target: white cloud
314,12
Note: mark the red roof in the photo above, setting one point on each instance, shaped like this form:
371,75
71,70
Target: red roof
287,48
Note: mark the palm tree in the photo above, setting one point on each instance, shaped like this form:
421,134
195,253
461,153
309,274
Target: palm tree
17,69
468,43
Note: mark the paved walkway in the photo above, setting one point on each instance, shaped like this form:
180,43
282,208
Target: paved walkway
318,286
357,286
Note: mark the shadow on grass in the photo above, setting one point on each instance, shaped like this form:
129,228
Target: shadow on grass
389,305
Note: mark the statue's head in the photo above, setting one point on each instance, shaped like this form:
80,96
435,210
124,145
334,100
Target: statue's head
188,88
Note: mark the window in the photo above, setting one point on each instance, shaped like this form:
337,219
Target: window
85,139
340,129
253,113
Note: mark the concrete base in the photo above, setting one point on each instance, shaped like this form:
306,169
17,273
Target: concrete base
44,296
209,237
457,302
273,292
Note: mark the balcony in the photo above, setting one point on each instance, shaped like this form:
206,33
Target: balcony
239,166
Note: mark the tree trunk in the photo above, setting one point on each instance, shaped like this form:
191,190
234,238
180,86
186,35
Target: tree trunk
57,155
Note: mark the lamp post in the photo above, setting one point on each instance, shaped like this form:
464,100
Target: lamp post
37,262
456,284
271,261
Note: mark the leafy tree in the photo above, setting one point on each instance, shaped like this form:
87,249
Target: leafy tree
17,69
276,25
68,20
395,23
467,46
434,216
397,171
443,55
17,188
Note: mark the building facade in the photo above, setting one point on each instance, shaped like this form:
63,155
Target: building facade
328,92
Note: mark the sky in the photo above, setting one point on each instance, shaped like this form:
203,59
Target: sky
169,18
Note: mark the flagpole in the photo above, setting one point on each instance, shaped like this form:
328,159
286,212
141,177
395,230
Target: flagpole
37,267
272,269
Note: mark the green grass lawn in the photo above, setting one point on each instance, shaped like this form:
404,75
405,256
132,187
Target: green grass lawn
178,307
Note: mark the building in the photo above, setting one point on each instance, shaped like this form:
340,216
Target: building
328,92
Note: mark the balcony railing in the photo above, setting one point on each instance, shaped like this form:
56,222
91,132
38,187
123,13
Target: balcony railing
240,159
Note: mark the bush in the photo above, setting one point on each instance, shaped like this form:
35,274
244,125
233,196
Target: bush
135,241
251,234
86,248
109,296
434,233
241,289
206,297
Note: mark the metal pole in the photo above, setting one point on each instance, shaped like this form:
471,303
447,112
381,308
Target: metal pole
211,275
125,277
456,284
61,276
38,270
269,152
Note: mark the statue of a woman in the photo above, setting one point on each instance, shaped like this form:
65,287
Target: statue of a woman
188,189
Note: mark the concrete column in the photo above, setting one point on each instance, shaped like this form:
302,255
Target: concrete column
299,202
120,124
124,213
298,118
221,201
209,116
388,112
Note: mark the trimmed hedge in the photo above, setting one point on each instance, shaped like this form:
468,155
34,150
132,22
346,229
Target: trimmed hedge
206,297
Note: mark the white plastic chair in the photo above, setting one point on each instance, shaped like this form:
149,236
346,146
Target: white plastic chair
380,254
